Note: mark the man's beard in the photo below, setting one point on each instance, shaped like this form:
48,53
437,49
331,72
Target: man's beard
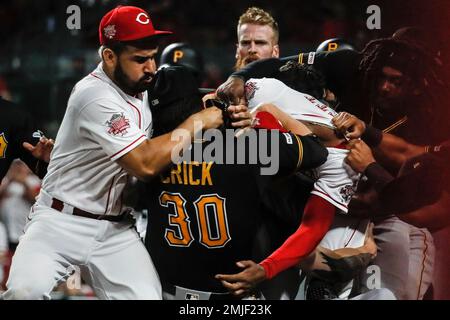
124,82
242,62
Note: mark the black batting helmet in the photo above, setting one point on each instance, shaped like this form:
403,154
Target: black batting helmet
333,45
182,54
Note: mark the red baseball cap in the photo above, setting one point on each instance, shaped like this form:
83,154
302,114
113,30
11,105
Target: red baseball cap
127,23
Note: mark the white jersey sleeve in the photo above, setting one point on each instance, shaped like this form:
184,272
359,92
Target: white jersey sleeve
298,105
265,90
108,125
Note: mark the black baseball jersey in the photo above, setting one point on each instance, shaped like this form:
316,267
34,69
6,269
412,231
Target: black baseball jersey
203,216
15,128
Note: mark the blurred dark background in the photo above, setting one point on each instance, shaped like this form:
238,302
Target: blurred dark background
41,59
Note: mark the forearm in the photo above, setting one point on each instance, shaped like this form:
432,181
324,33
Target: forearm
316,221
291,58
154,155
347,252
378,176
311,152
316,261
286,120
393,151
336,268
172,145
433,217
268,68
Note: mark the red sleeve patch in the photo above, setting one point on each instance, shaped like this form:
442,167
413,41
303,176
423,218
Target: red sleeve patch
118,124
250,89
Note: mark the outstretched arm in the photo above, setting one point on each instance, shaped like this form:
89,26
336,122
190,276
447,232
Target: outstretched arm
393,151
316,221
153,155
287,122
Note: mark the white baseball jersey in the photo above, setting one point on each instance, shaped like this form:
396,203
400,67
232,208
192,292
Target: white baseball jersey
335,180
102,123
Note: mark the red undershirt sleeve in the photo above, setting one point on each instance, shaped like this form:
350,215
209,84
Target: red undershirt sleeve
316,221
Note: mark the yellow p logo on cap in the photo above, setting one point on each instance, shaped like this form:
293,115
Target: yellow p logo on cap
332,46
177,54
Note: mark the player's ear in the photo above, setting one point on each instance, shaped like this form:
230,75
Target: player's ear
276,51
109,56
237,51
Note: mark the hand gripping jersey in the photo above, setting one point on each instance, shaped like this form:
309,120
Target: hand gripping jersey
335,180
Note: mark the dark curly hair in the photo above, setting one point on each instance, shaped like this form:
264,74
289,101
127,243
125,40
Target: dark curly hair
407,51
303,78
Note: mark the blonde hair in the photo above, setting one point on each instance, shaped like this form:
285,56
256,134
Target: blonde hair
255,15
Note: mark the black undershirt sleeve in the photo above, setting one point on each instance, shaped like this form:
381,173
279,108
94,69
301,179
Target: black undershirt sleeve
378,176
299,153
268,68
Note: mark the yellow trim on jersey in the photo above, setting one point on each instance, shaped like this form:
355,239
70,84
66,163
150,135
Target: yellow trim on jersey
300,58
300,151
396,124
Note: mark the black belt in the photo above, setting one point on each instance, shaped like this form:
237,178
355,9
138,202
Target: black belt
59,205
171,289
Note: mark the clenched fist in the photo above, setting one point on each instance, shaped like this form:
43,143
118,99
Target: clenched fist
210,118
349,125
233,90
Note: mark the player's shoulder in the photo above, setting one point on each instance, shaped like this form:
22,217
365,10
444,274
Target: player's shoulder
91,90
263,81
263,87
90,87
